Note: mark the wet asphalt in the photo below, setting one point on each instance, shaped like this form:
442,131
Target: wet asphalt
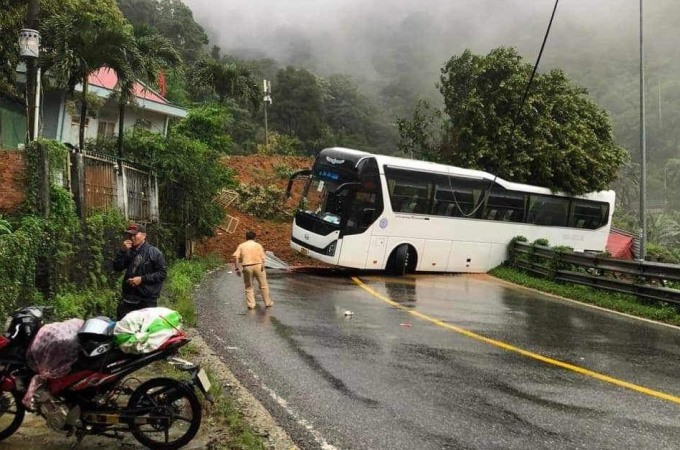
384,379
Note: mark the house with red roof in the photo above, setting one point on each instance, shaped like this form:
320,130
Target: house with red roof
150,110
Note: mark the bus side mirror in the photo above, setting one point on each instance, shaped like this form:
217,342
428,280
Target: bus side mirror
300,173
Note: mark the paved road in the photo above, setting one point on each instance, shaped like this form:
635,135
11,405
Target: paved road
385,378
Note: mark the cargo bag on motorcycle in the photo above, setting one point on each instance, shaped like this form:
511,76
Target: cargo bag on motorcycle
146,330
52,353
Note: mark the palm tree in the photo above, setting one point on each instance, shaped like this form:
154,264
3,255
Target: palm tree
147,56
81,41
228,80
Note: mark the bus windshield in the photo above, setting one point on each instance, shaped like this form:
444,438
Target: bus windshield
323,202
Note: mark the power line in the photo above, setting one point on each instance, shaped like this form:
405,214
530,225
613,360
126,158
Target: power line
515,118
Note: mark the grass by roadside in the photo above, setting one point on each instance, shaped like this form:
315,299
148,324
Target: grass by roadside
183,277
628,304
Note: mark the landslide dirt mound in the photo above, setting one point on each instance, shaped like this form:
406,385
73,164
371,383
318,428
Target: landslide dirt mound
274,236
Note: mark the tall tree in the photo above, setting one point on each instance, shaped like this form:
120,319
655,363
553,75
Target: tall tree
559,139
171,19
298,107
148,54
84,38
227,80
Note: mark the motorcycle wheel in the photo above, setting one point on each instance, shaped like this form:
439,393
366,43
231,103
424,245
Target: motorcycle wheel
12,413
175,409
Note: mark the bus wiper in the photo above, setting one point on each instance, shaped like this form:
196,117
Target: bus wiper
344,186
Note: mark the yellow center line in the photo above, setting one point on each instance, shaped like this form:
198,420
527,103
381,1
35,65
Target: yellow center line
526,353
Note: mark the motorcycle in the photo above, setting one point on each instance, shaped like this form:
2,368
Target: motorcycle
161,413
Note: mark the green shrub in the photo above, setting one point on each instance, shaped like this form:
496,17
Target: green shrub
5,226
264,202
281,144
512,254
542,242
283,171
209,125
661,254
183,275
85,304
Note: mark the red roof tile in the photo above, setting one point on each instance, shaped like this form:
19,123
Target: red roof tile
108,79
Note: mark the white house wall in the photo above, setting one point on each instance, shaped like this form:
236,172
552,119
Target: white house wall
69,132
156,121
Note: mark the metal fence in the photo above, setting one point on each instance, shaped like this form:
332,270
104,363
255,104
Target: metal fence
647,280
100,185
138,187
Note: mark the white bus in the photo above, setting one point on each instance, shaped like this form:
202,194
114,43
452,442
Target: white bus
376,212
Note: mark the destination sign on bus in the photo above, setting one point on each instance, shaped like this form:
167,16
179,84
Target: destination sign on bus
328,175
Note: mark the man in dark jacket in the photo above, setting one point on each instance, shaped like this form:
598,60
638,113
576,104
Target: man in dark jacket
145,271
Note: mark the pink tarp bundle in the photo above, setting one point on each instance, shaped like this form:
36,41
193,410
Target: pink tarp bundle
52,353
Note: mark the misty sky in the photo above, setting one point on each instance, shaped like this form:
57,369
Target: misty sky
348,35
405,43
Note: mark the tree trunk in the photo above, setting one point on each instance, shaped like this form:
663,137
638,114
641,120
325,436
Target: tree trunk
121,131
83,115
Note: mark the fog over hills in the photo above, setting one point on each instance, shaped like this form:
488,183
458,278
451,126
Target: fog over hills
399,47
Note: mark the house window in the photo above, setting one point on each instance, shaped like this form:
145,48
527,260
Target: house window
106,129
75,120
143,123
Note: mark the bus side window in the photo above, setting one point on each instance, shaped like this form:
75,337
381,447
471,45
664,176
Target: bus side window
588,214
549,211
410,192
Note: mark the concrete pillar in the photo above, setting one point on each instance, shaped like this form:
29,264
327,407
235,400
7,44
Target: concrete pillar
121,190
78,182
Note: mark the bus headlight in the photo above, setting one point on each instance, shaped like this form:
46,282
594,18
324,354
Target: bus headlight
330,250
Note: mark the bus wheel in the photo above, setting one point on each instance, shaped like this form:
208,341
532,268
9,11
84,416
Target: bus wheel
402,260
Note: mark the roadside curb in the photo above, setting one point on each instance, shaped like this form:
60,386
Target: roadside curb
253,411
559,297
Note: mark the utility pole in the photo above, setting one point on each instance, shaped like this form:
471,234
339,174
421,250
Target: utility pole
267,101
32,73
643,143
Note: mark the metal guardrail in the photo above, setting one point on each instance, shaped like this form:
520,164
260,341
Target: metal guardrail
640,278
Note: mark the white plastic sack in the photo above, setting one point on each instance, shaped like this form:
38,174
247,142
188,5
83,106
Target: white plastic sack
146,330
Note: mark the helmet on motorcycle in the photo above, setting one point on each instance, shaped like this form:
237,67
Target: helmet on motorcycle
96,336
23,324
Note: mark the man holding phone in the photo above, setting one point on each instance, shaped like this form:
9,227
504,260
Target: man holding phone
145,271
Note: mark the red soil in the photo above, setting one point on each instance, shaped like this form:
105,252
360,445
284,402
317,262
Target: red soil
274,236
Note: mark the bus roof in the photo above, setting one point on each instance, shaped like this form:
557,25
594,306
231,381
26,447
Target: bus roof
426,166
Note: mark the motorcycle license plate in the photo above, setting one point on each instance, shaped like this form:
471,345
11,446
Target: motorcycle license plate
203,380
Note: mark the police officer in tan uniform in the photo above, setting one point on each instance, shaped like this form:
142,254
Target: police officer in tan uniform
250,256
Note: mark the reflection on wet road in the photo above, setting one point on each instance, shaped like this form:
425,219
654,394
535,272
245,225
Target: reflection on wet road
400,376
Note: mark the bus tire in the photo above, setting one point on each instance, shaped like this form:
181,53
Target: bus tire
402,260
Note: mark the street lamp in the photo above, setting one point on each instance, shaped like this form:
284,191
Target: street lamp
29,43
29,49
643,144
267,89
